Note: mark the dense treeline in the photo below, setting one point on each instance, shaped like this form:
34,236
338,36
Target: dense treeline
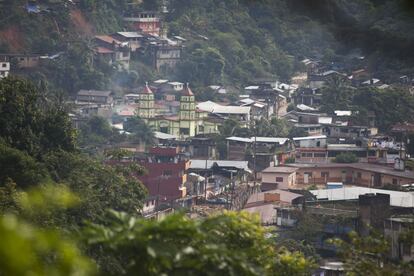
228,42
388,106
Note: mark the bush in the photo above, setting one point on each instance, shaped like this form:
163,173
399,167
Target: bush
346,158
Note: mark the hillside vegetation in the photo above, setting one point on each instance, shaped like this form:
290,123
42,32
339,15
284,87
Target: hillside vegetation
229,42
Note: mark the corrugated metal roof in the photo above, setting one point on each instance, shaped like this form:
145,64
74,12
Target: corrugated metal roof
280,169
309,138
213,107
325,120
94,93
399,199
201,164
259,139
130,34
343,112
164,136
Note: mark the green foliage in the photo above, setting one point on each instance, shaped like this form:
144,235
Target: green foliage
346,157
97,131
234,44
273,128
19,167
299,246
297,132
336,95
389,106
30,122
178,245
28,249
141,132
117,154
99,187
368,256
202,67
307,228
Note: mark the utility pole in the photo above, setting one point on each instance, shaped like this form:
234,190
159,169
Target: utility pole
232,189
205,181
158,197
254,155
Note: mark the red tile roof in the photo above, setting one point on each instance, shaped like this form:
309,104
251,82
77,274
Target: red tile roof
146,90
187,91
103,50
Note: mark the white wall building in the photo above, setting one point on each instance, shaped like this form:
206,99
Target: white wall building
4,69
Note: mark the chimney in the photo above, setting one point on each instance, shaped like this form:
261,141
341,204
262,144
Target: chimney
271,197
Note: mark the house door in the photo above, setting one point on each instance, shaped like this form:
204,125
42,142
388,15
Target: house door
306,178
377,179
343,176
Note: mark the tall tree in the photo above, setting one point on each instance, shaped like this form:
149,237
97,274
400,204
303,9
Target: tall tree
336,94
30,122
140,130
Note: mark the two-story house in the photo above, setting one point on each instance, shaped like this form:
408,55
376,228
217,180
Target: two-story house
112,51
94,97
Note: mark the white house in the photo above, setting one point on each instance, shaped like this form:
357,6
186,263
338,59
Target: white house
4,69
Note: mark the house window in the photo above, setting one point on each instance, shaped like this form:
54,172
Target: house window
325,174
3,65
359,175
394,181
184,131
318,154
309,174
279,179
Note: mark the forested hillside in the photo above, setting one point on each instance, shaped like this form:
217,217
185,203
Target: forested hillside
230,42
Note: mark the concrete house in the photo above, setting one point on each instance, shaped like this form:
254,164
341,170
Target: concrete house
359,174
147,22
165,54
394,229
311,149
94,97
279,177
4,69
134,39
267,205
112,51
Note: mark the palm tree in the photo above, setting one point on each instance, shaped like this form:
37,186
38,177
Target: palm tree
140,130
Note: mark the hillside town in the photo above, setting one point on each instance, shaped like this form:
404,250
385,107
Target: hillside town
273,147
274,177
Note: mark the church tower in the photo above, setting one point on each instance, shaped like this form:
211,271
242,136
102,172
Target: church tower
146,103
187,113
